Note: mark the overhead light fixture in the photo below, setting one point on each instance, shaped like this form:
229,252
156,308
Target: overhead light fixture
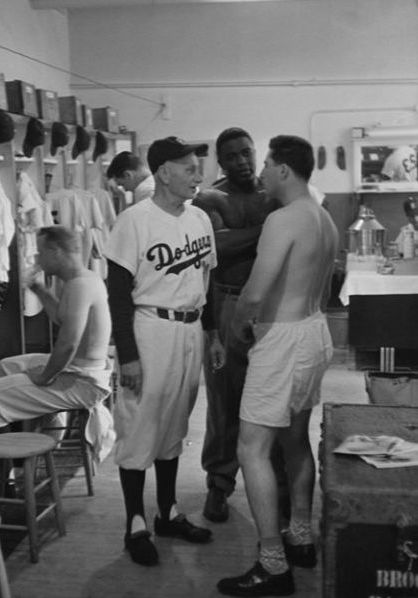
390,132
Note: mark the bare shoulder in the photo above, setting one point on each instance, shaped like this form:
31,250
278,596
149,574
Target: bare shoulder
87,285
211,199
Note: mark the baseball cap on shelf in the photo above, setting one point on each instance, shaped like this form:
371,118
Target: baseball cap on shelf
35,135
172,148
101,145
81,143
59,137
7,127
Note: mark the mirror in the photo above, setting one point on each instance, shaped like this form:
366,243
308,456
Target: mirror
386,165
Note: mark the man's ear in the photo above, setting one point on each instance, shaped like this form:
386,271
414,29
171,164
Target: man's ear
284,171
164,173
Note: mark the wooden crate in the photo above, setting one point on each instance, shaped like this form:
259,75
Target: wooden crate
21,98
70,110
3,95
106,119
369,516
48,104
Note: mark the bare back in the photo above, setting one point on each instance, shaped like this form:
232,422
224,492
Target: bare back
296,255
84,318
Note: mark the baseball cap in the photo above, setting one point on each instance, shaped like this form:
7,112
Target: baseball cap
172,148
81,143
101,145
34,136
59,137
7,127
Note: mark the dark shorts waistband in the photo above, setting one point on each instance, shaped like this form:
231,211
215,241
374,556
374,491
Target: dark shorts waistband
228,289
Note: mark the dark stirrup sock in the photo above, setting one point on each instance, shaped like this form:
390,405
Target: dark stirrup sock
166,475
132,481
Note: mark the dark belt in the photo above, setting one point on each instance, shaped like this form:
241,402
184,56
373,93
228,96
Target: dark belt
228,289
178,316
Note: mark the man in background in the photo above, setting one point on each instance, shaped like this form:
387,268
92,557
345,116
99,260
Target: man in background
237,206
76,374
281,307
410,207
130,172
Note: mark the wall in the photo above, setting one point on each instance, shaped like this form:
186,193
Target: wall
314,68
41,34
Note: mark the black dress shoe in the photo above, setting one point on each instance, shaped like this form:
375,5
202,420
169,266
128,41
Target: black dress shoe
216,508
180,527
258,582
300,555
141,549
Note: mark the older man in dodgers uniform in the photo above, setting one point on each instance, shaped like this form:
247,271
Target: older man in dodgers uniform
160,254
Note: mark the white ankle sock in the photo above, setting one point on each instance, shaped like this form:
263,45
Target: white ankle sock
173,511
138,524
273,560
299,532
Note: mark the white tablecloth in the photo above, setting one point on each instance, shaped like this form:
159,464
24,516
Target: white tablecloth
369,283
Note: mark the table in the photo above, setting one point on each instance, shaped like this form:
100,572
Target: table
383,313
370,283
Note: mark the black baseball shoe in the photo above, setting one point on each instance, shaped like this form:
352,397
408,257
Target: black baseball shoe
180,527
216,508
258,582
141,548
300,555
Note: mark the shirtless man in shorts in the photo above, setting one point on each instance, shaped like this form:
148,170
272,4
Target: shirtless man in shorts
76,373
237,206
281,306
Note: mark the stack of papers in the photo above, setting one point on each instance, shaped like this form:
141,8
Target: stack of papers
383,452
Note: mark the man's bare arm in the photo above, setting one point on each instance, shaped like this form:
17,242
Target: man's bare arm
74,316
48,300
229,241
272,250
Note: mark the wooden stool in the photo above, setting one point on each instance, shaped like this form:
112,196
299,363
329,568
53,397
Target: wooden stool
4,580
28,446
74,440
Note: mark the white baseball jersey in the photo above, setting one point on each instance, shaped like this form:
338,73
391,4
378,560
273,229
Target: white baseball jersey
168,256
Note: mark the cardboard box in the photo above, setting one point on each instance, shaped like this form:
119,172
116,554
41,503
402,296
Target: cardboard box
3,95
70,110
106,119
87,113
48,104
369,522
21,98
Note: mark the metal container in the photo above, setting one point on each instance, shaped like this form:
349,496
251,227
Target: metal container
366,233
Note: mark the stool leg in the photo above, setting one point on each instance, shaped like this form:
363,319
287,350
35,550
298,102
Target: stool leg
30,507
55,490
85,451
4,582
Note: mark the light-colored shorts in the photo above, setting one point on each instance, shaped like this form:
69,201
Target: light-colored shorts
285,370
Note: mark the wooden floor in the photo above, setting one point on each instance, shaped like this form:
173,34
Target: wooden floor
89,562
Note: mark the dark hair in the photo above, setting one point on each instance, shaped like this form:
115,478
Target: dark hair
121,162
60,236
228,135
294,151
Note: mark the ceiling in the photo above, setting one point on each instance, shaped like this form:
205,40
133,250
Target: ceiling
77,4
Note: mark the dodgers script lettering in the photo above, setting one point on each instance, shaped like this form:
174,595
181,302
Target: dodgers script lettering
171,258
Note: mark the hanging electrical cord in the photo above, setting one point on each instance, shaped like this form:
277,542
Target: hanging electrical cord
96,83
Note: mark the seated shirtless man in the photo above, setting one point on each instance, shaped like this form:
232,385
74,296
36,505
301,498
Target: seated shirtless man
281,306
76,374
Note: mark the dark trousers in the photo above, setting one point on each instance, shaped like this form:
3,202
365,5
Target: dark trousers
224,389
